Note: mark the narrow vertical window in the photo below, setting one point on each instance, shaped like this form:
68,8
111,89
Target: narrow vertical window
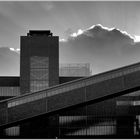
39,73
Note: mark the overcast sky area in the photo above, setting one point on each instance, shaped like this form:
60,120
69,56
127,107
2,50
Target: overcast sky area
92,32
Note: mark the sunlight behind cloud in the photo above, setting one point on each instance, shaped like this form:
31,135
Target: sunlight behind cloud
62,40
103,27
78,33
137,38
15,50
12,49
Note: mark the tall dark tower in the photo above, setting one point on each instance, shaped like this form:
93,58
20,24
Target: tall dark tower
39,69
39,61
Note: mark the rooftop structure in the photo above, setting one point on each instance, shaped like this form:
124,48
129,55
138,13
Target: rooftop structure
39,32
75,70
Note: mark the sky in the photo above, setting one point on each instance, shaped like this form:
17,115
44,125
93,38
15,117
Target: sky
86,27
63,18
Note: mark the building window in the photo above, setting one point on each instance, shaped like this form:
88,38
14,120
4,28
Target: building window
39,73
13,131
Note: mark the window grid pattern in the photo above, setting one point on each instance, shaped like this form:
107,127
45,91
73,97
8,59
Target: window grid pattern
102,124
92,131
79,84
137,125
63,120
75,69
39,73
9,91
128,103
91,126
12,131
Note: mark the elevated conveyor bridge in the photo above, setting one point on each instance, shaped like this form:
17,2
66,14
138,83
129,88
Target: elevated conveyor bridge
112,83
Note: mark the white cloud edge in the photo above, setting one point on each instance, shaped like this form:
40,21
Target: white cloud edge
136,38
15,50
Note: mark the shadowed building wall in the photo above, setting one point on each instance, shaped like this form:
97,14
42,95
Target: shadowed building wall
39,69
38,61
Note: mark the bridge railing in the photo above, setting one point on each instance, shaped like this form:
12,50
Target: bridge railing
8,105
76,84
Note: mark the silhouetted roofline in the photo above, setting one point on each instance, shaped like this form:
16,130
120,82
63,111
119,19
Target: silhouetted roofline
6,81
39,33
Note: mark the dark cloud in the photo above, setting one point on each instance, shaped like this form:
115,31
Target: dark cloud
104,48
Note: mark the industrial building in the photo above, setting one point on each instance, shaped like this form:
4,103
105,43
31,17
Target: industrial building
41,104
75,70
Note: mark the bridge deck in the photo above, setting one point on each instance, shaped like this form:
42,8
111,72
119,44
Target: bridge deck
70,94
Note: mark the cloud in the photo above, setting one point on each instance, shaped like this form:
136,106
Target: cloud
15,50
104,48
48,5
137,38
9,62
68,32
99,31
62,40
78,33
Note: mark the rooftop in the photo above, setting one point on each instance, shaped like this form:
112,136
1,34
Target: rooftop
39,33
